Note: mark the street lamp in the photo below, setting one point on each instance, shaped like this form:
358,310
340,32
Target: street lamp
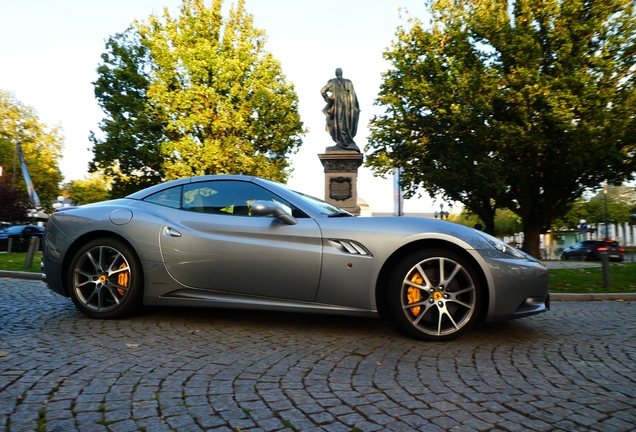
442,214
58,204
583,227
605,205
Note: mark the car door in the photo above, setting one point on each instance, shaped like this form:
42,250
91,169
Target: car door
587,249
26,236
575,251
30,232
213,242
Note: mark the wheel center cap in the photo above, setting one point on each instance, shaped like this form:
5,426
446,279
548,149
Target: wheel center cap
102,278
437,295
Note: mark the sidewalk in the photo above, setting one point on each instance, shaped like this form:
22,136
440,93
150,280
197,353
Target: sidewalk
549,264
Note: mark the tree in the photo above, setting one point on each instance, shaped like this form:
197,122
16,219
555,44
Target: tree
612,205
41,146
437,99
520,105
620,205
92,189
506,222
572,219
202,94
131,151
12,204
466,218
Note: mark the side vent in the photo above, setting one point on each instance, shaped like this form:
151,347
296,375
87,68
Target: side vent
349,247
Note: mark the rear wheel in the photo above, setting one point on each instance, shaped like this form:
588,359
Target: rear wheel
105,279
434,295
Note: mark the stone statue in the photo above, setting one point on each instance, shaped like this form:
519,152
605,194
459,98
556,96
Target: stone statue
342,112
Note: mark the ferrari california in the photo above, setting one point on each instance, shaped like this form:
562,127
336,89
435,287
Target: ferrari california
245,242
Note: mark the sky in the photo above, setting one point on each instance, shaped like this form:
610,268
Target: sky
50,49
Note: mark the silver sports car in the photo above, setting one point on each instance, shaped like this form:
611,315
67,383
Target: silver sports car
246,242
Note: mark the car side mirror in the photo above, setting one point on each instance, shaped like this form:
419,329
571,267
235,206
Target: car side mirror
271,209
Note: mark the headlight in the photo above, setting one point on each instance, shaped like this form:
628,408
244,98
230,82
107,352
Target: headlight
502,247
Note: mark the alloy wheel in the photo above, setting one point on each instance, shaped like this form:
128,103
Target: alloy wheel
438,297
101,278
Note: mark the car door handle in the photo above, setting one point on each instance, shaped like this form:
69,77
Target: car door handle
171,232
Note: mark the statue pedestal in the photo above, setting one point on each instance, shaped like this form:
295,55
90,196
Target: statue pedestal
341,178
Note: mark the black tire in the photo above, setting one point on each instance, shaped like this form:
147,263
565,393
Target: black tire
435,308
105,279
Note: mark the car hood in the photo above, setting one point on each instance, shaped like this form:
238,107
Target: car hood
404,229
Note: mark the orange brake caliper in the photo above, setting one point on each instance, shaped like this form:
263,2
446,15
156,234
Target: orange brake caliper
413,294
122,280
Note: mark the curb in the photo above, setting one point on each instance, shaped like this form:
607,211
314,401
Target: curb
553,296
593,297
20,275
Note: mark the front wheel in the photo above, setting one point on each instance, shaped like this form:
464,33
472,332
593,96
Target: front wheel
105,279
435,295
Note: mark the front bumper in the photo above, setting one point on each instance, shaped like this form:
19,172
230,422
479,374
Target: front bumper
519,288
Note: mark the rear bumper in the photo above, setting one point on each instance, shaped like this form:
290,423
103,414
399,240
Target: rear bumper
55,242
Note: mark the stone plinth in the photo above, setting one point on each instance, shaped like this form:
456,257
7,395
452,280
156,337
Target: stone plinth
341,178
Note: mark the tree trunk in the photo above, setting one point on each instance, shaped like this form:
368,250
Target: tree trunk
490,226
486,213
532,240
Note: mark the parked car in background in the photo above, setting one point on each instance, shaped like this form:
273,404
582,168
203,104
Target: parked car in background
21,234
592,250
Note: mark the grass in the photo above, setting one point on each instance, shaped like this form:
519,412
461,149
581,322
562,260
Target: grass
15,262
585,280
590,280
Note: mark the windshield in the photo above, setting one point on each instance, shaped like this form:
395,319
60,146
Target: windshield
324,207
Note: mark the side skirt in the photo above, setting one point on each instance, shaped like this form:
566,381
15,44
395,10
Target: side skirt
204,298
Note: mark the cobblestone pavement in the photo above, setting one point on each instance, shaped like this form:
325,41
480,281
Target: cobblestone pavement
573,368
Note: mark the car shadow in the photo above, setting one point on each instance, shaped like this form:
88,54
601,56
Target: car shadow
286,322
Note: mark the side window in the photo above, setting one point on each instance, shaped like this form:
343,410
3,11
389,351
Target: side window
168,197
228,197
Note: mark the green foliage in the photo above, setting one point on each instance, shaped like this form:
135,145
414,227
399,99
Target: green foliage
573,217
621,202
465,218
41,146
197,94
520,105
13,204
89,190
506,222
131,152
